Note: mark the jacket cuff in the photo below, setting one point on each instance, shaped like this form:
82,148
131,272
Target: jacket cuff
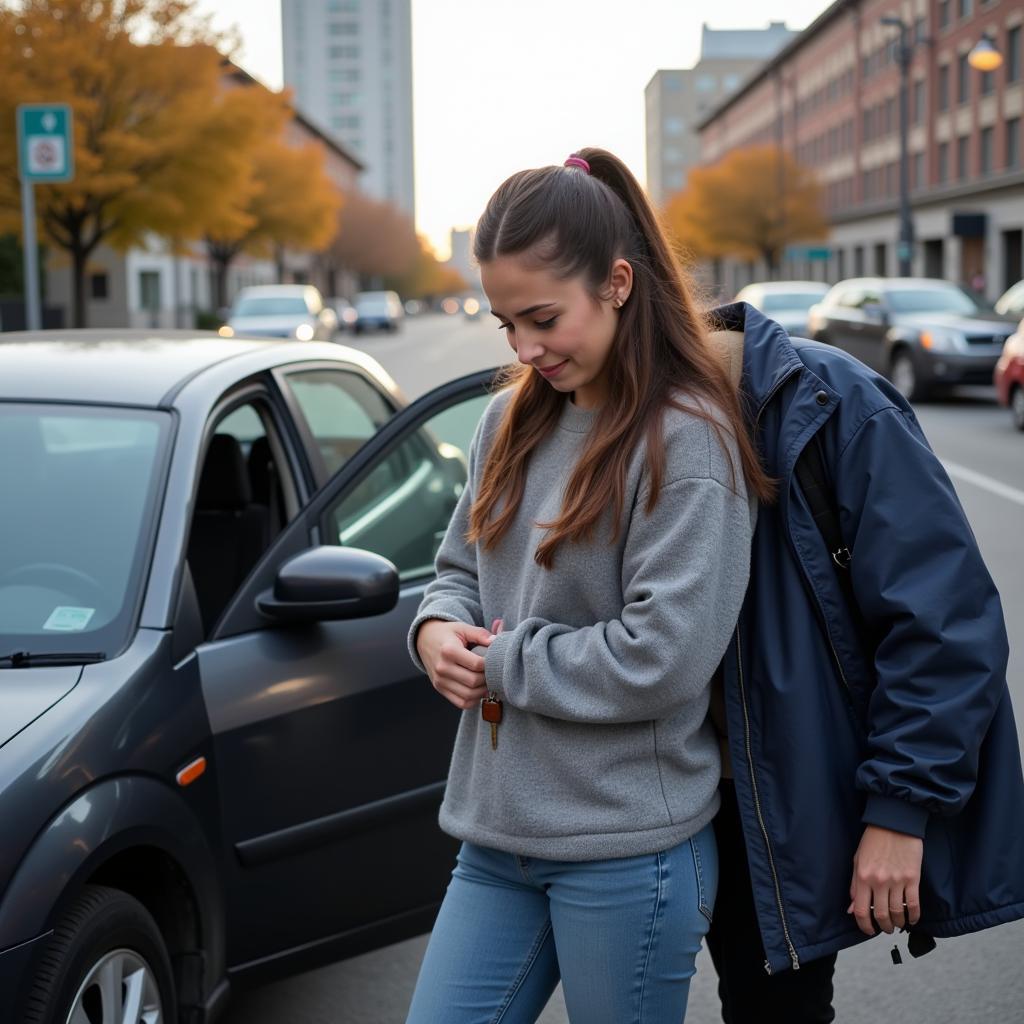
415,628
896,815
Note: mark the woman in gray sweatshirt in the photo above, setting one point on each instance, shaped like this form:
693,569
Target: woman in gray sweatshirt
586,590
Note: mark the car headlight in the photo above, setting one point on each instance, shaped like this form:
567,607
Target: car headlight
304,332
941,339
226,331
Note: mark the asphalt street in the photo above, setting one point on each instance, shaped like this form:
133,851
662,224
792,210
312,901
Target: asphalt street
969,980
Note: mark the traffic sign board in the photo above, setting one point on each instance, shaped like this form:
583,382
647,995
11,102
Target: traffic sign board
45,144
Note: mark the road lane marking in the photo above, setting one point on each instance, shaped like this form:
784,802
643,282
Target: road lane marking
986,483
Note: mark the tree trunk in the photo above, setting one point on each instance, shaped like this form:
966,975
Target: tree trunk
279,263
79,256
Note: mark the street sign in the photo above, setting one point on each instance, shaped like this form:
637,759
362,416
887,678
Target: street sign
45,143
808,252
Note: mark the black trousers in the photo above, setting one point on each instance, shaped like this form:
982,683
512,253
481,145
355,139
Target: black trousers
749,994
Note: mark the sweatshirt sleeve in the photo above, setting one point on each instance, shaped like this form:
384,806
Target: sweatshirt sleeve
933,611
684,574
454,594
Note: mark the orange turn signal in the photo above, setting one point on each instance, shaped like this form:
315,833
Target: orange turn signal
191,771
927,340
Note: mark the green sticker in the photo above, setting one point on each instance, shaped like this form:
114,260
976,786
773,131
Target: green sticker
68,620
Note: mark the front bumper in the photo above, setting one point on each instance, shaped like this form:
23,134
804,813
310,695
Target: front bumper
954,368
15,970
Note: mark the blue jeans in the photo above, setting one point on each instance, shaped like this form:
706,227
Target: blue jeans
622,935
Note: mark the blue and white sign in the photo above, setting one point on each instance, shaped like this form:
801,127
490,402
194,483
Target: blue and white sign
45,143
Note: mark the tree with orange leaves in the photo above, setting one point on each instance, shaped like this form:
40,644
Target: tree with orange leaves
751,204
159,145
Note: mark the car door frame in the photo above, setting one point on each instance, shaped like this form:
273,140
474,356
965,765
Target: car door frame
309,527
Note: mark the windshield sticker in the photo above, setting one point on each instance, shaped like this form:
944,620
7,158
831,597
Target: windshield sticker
69,620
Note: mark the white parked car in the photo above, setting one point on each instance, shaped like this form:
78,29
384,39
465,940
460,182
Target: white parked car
785,302
281,311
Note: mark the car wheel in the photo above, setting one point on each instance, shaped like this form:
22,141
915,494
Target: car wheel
1017,407
106,961
903,375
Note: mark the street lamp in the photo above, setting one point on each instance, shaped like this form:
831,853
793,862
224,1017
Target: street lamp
984,57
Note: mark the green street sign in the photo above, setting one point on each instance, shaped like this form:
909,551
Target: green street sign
45,145
808,252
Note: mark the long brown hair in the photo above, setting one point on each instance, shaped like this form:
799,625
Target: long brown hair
577,224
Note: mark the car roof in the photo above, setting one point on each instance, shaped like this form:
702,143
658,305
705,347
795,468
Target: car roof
894,283
788,286
136,367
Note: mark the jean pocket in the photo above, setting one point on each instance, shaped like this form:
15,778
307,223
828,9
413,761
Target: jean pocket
703,903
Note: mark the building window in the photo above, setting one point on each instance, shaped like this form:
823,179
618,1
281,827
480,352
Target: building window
919,94
965,8
944,13
1012,143
343,28
943,163
343,52
963,79
943,97
985,155
149,292
1013,54
706,83
962,149
99,285
988,83
918,180
674,126
891,115
345,123
344,75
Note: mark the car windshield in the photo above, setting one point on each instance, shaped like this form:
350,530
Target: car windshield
76,519
772,302
930,300
270,305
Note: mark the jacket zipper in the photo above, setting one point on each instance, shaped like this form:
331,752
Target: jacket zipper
760,817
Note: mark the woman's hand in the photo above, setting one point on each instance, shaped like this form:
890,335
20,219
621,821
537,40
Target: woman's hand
886,875
454,670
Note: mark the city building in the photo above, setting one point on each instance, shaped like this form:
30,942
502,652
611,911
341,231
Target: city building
160,286
461,259
831,98
676,101
350,64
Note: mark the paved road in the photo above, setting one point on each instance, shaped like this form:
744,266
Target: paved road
970,980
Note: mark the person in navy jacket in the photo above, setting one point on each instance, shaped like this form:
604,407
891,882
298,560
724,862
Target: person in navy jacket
875,760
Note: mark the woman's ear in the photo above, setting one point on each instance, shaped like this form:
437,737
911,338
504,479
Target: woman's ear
620,281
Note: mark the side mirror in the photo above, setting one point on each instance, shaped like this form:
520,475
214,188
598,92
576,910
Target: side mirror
331,583
876,313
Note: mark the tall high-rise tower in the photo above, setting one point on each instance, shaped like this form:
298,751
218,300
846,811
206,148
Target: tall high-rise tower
350,65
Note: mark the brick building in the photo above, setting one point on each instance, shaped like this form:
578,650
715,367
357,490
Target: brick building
831,98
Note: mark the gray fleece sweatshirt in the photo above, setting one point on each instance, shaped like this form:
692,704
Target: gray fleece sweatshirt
605,748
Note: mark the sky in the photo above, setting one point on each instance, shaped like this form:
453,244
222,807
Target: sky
499,85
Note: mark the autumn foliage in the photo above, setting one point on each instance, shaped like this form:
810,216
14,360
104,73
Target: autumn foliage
751,204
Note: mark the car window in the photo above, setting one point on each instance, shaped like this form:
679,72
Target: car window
849,298
870,297
275,305
76,516
244,498
343,411
401,505
932,300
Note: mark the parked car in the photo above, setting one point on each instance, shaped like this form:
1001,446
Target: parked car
1011,302
924,334
378,311
786,302
214,749
281,311
345,312
1009,376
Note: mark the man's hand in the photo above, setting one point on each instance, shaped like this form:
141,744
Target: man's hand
455,671
886,874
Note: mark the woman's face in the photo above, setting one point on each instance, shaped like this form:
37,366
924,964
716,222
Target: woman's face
555,325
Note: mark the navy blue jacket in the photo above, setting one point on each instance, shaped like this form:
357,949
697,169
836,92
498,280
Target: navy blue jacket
903,721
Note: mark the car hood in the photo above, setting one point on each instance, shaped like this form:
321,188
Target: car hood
27,693
981,323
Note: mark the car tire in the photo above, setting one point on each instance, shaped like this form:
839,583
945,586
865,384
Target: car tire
904,376
1017,407
105,936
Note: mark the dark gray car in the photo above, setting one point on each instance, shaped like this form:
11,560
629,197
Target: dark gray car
217,763
923,334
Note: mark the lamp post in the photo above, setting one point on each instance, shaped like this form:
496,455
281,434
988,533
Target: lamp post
904,55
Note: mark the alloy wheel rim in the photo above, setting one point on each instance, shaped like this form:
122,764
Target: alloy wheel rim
1018,408
120,988
903,376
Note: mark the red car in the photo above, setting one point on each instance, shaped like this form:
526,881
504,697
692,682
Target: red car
1009,376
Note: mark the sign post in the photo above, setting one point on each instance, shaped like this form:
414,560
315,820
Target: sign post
46,154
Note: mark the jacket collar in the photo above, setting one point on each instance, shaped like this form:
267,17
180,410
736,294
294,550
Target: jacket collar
768,355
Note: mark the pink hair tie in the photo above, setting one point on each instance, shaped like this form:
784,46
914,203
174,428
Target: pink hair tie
577,161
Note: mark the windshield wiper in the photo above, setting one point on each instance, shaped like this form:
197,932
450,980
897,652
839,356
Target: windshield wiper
23,659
